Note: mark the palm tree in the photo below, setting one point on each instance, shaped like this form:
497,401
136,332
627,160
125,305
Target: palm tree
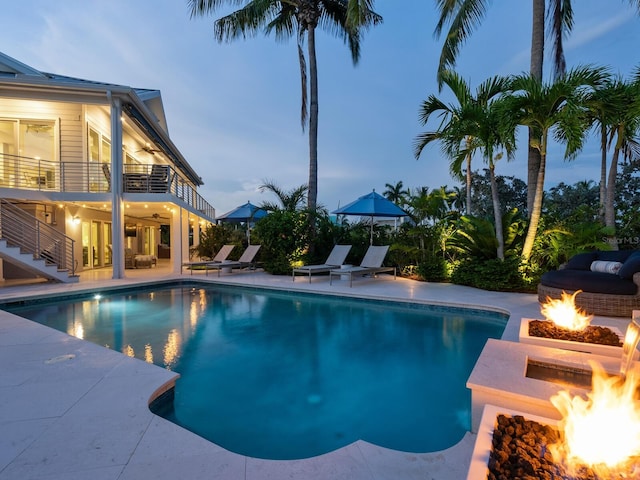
396,193
624,127
600,104
290,201
449,113
485,123
425,205
344,18
551,107
474,125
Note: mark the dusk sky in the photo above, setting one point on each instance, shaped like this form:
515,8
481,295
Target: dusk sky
234,109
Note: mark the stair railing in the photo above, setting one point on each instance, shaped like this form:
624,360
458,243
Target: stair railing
21,229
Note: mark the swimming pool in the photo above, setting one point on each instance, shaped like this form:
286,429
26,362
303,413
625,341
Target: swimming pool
281,376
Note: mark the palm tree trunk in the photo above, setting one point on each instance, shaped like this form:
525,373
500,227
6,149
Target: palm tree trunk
536,210
312,197
537,58
603,173
537,38
609,208
497,215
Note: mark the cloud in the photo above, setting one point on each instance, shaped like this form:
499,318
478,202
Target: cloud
588,31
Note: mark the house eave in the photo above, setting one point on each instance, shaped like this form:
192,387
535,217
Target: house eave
45,88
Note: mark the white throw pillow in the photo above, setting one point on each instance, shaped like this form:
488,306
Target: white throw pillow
605,267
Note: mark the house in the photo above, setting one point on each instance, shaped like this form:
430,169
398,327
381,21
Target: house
88,172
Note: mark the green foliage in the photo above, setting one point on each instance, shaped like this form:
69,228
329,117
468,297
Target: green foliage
572,204
433,269
327,234
283,235
511,190
283,239
476,237
490,274
628,205
214,237
557,244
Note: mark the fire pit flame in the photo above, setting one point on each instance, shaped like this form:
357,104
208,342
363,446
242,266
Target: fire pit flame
564,313
603,431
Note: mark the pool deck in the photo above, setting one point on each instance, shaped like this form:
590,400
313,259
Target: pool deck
73,410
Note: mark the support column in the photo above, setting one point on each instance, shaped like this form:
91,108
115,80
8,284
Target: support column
117,203
196,231
179,238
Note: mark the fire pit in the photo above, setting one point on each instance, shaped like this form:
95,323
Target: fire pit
568,327
597,438
598,339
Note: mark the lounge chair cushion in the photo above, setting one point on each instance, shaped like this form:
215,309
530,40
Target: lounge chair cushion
588,281
577,274
581,261
630,266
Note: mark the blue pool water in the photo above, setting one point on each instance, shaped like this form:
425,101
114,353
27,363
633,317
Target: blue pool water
283,376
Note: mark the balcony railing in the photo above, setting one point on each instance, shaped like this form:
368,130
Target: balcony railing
93,177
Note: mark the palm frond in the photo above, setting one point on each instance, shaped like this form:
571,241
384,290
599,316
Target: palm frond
463,16
560,25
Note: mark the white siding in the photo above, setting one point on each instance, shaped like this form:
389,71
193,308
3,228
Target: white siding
69,116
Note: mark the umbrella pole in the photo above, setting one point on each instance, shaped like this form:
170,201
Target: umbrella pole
371,241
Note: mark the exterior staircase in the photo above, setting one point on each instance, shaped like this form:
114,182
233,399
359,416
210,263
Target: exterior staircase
35,246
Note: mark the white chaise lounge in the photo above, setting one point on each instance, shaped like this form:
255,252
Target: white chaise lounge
334,260
371,265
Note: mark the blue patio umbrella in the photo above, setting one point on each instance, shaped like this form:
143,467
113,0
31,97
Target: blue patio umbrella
247,213
372,205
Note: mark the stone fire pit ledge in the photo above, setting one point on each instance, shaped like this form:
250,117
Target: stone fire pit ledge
498,378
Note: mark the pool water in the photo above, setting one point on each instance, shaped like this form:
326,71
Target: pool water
283,376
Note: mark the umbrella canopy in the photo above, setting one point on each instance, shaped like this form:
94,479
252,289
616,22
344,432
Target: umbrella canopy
244,213
371,205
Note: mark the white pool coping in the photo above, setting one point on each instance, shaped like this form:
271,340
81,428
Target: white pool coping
71,410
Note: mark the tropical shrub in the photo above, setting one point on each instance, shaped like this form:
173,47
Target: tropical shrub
476,237
285,242
490,274
282,235
214,237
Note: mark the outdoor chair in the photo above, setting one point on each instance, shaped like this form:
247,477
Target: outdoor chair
246,260
221,256
371,265
335,259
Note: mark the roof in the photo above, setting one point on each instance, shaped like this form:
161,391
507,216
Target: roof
143,105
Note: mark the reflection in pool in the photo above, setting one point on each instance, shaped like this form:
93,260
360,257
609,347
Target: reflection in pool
283,376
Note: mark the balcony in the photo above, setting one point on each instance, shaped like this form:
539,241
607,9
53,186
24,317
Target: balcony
92,177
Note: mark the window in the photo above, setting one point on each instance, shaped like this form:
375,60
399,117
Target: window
28,153
99,152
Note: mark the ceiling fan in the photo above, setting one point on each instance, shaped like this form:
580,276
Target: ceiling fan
149,149
156,216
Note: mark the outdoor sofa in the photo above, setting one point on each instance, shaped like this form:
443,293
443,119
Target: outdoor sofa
609,281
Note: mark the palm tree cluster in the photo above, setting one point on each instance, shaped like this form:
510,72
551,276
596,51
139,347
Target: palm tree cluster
566,110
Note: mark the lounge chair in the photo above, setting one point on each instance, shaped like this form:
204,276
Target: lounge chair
371,265
221,256
159,179
245,260
335,259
